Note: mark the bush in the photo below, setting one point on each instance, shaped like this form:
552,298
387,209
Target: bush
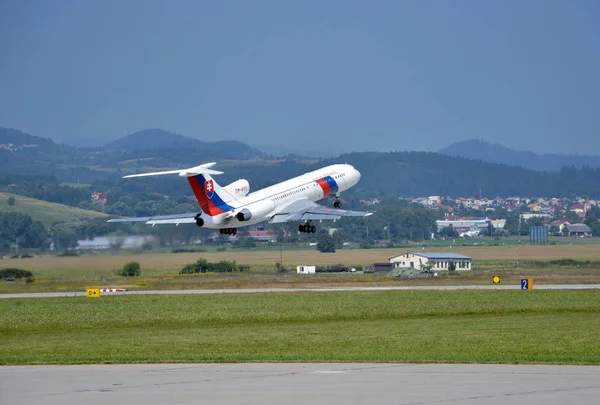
203,266
188,250
280,268
14,273
68,253
11,201
131,269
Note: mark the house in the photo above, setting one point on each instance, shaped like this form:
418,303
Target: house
581,230
98,196
577,208
263,236
431,260
560,223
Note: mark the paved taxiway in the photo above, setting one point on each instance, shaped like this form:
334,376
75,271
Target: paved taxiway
315,384
327,289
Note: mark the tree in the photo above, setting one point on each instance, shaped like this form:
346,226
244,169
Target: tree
591,220
326,244
338,239
451,266
501,233
121,209
64,239
11,201
448,232
17,228
116,240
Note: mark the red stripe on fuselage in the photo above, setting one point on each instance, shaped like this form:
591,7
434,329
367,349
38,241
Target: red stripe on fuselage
325,187
205,203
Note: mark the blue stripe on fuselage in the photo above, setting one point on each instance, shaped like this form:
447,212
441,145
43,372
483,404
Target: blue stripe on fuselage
332,184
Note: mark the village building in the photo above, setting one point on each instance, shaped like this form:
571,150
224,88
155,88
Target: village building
434,261
581,230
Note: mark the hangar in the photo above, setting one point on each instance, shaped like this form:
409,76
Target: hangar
432,260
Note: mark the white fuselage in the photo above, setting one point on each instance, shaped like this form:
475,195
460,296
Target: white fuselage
313,186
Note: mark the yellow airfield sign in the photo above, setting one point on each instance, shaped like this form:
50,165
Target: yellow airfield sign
496,279
92,292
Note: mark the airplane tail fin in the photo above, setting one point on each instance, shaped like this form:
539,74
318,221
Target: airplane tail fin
213,199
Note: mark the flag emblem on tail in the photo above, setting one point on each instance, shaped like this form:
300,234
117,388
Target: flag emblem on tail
209,188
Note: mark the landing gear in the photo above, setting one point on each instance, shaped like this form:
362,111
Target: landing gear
307,228
337,203
228,231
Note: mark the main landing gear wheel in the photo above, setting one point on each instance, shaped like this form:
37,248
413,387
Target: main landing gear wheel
337,204
307,228
228,231
199,221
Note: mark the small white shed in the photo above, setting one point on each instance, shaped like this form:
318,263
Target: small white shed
307,269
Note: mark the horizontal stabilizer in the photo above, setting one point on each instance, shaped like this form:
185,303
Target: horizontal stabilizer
194,171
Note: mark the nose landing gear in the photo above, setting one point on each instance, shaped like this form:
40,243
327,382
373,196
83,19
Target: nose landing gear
228,231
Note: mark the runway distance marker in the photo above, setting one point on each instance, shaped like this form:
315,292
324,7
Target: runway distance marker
526,284
92,292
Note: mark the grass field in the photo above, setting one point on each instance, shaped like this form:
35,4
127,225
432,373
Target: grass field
165,263
437,326
44,211
158,269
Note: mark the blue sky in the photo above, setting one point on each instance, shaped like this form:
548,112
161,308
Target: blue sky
329,75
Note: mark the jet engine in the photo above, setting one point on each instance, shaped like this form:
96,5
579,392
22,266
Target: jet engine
258,209
239,188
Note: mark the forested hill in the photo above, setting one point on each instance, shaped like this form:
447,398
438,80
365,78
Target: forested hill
424,173
406,174
28,154
496,153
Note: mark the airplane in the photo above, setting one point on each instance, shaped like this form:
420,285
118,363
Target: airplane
233,206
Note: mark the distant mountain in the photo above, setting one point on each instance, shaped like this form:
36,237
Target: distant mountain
24,145
154,142
20,140
496,153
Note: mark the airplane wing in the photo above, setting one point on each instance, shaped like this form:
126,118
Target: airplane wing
306,210
161,219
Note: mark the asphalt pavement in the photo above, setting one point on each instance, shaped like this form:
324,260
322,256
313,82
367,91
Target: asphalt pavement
324,289
305,383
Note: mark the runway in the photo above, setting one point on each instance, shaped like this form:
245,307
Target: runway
315,384
324,289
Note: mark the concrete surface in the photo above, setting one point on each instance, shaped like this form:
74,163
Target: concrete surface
314,384
325,289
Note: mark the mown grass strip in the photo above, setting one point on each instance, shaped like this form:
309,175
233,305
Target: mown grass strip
463,326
